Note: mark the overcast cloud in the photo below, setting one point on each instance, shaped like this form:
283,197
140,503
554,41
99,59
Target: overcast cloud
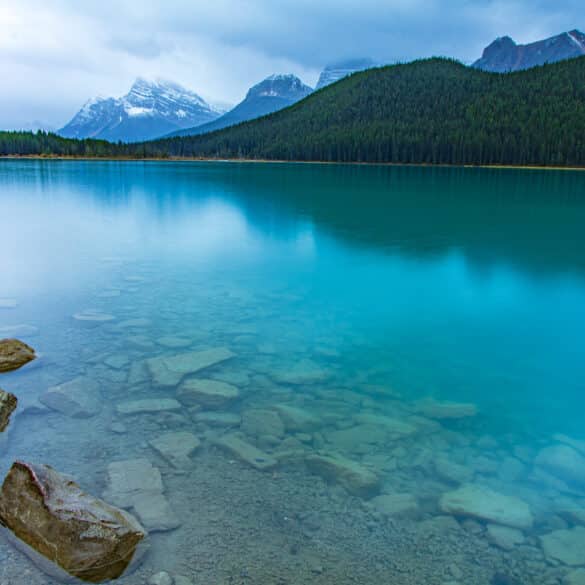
55,54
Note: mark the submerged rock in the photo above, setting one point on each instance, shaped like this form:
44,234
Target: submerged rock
445,410
504,537
8,403
355,478
93,316
83,535
170,370
261,422
19,331
304,372
576,577
218,419
78,398
14,354
129,479
297,419
148,405
245,452
155,513
207,393
176,448
475,501
566,546
563,462
396,505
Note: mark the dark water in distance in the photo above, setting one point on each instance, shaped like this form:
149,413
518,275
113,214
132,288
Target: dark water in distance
463,285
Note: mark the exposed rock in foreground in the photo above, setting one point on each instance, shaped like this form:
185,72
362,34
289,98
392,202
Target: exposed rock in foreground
14,354
475,501
83,535
8,404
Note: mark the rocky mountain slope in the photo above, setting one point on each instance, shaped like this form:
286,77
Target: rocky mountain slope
274,93
149,110
505,55
336,71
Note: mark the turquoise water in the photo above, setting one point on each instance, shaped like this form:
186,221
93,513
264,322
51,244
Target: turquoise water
345,291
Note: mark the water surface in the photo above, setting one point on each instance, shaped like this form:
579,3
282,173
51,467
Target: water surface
380,288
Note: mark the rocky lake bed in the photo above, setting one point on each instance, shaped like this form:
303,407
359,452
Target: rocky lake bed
254,450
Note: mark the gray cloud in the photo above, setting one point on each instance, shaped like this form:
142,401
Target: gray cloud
55,55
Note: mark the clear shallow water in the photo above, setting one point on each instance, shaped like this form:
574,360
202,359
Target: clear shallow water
457,285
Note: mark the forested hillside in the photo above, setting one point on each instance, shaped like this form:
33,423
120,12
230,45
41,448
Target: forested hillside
434,111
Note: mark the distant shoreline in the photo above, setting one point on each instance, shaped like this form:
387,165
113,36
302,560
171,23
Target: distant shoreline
271,161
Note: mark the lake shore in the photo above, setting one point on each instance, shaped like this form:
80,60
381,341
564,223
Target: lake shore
248,160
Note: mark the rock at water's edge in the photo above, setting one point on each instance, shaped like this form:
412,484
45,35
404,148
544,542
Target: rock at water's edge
8,404
14,354
83,535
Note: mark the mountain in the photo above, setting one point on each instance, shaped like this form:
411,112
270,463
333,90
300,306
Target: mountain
274,93
149,110
434,111
504,55
336,71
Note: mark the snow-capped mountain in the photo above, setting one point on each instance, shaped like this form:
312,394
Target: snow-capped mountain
274,93
505,55
149,110
336,71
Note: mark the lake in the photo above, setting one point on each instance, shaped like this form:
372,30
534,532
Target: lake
381,369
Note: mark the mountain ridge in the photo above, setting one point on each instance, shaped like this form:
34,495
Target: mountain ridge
274,93
149,110
504,55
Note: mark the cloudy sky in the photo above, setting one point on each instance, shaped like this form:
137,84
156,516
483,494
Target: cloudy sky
55,54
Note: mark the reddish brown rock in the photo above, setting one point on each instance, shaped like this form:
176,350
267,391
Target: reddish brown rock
83,535
7,406
14,354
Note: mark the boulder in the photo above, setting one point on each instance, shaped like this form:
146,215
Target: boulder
78,398
148,405
482,503
563,462
355,478
207,393
8,403
566,546
236,446
297,419
394,427
261,422
168,371
14,354
176,448
83,535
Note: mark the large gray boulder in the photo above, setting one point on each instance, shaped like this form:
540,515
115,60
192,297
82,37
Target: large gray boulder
14,354
83,535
